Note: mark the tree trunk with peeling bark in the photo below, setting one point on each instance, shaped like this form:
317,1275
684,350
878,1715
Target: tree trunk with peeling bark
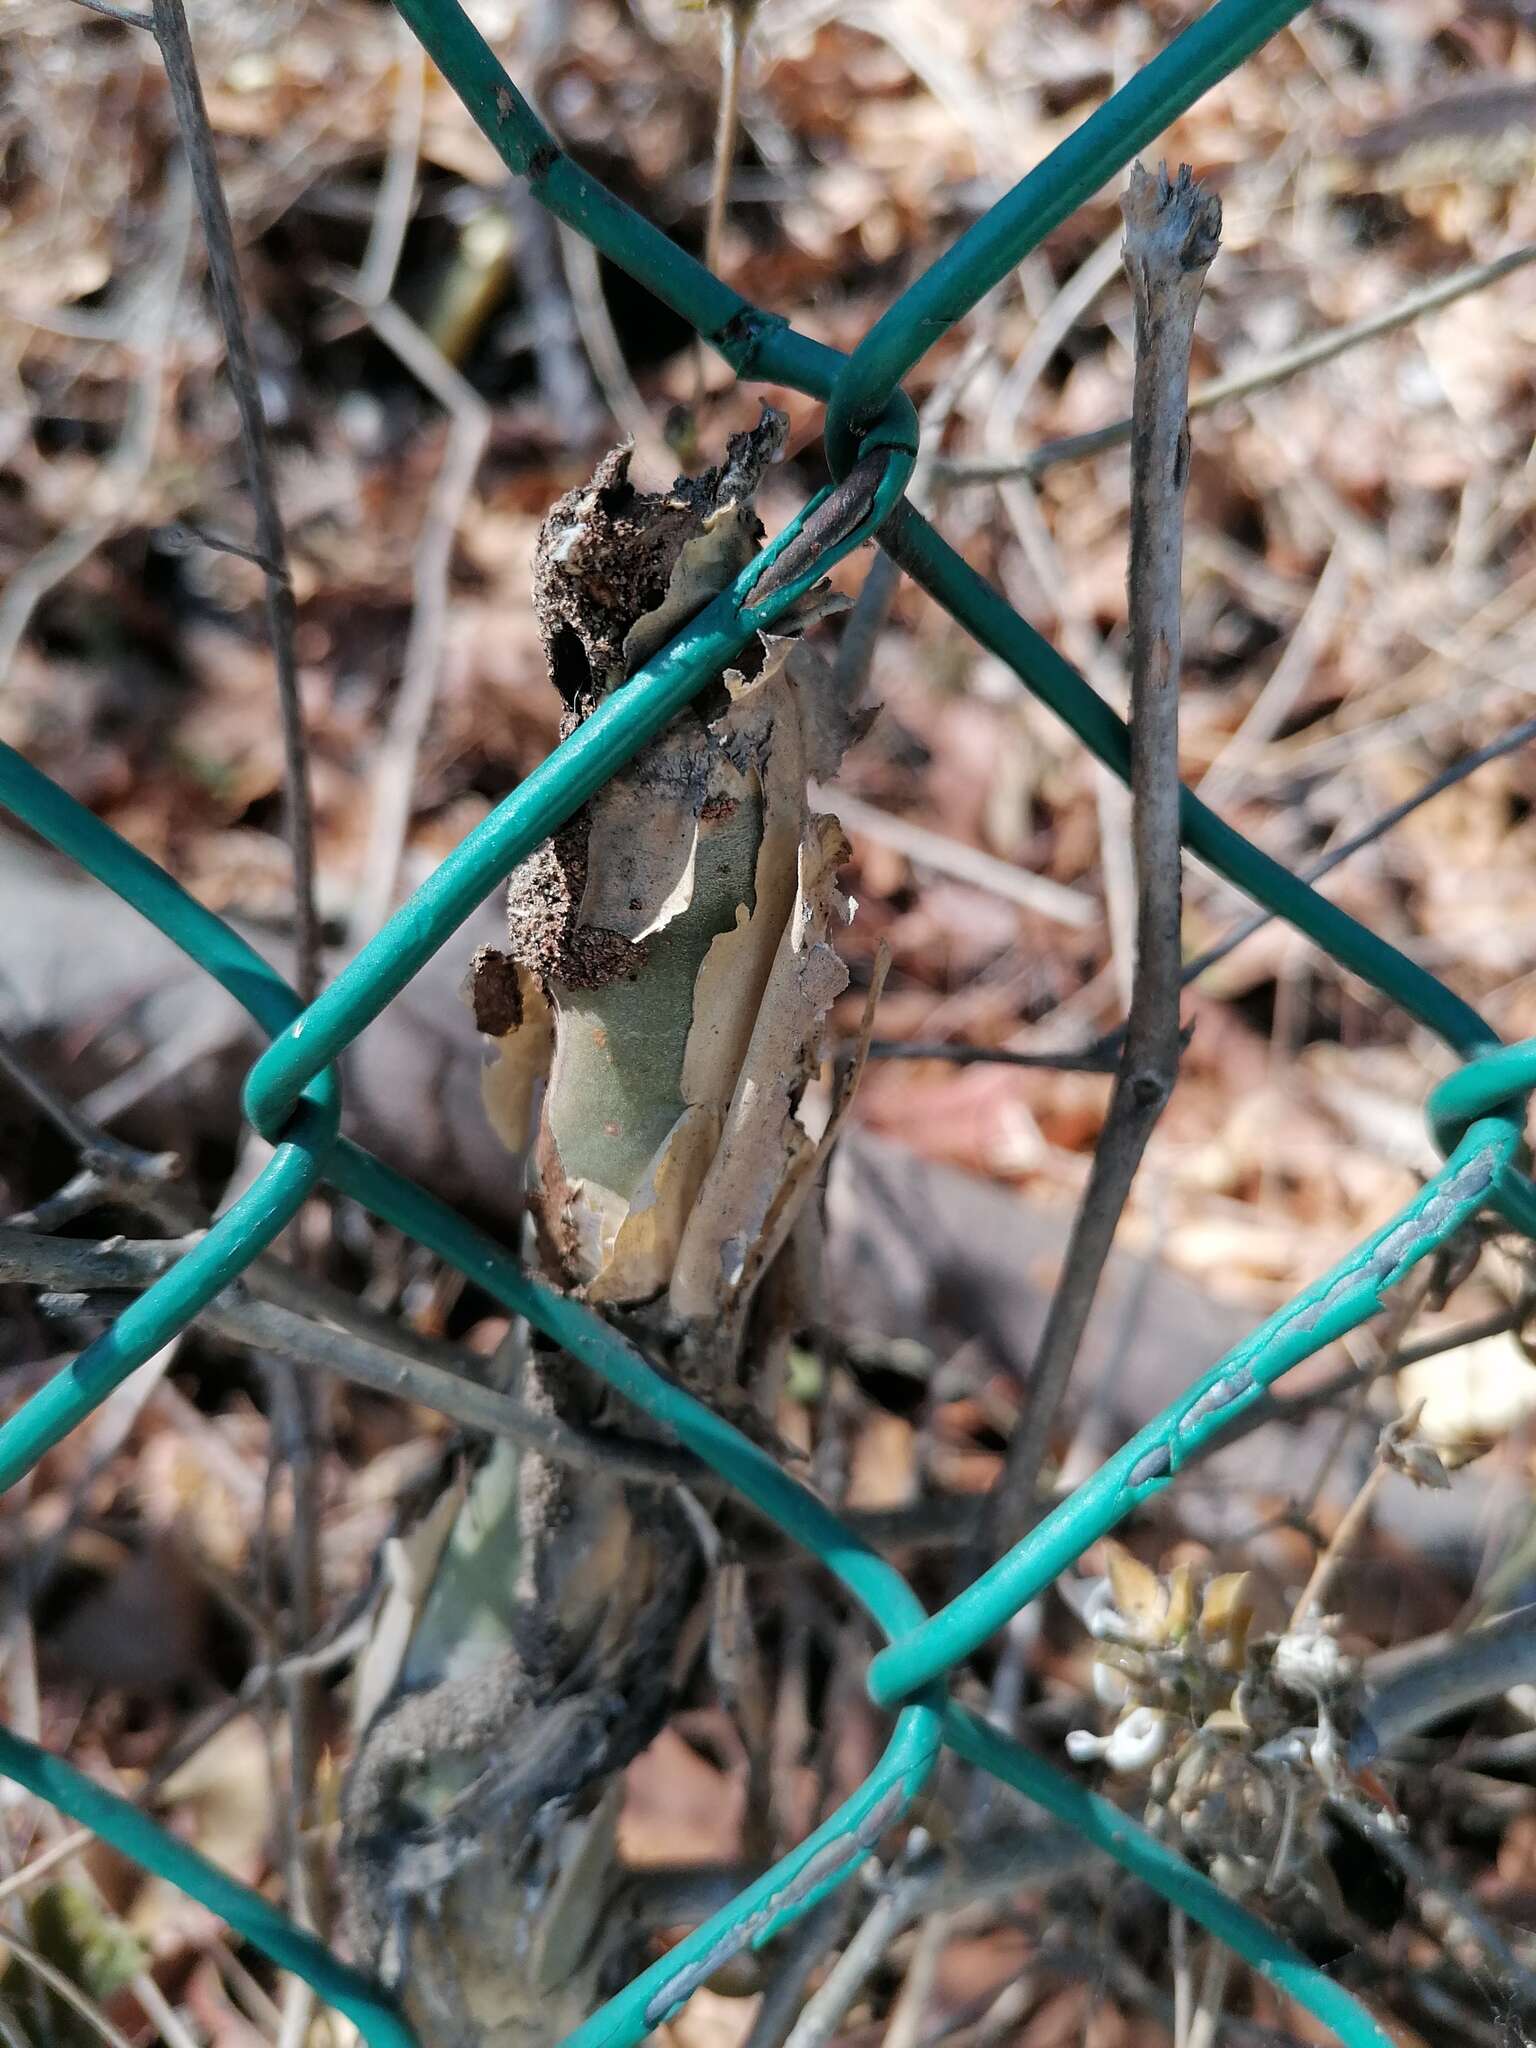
653,1028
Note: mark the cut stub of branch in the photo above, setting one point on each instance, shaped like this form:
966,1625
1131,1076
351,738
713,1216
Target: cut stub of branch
680,927
654,1030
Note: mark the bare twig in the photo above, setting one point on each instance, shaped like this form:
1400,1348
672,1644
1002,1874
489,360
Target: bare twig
298,1432
174,38
1427,1881
969,864
324,1657
38,1867
130,17
394,771
928,1883
1338,1548
735,21
1057,320
1306,355
1213,1986
804,1950
1183,1976
735,26
1082,644
824,2013
605,352
104,1155
904,2027
865,623
397,187
161,2014
565,376
65,1988
1444,1675
182,535
1518,736
1172,232
148,1184
441,1383
1289,677
1092,1060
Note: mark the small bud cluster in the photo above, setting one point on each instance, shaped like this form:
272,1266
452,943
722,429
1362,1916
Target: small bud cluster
1238,1734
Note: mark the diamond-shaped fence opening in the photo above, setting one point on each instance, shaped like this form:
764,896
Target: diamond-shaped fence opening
292,1098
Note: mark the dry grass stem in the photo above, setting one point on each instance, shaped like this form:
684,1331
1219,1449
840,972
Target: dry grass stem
1261,376
394,776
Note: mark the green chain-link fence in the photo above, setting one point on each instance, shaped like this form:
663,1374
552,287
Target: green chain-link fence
292,1099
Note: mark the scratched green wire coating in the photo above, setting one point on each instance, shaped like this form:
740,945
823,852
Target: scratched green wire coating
1476,1114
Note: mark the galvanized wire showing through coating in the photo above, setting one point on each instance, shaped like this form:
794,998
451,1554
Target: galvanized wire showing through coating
291,1096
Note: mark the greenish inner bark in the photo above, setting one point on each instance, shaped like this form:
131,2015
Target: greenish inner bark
617,1087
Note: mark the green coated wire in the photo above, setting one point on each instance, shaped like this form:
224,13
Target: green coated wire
1326,1311
1139,1851
803,1877
246,1228
1211,46
1500,1081
874,1582
313,1039
266,1207
829,1855
1137,114
598,748
291,1092
143,1841
205,938
793,1887
762,345
989,618
760,1912
756,343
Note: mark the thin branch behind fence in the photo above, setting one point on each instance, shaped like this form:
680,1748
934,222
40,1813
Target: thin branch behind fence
1172,233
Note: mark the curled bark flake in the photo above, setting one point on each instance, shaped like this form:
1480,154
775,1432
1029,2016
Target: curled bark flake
511,1012
762,1143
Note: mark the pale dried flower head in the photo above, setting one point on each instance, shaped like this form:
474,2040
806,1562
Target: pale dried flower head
1235,1731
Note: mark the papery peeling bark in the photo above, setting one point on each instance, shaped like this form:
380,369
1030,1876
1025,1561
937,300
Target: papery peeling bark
660,1011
